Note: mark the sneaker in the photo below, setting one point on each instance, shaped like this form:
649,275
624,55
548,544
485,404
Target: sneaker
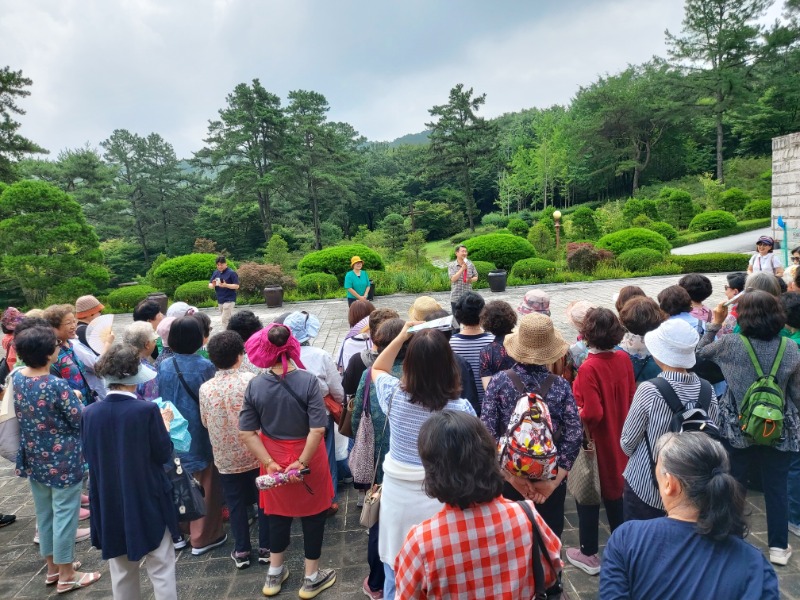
345,481
360,501
211,546
587,564
7,520
179,543
263,556
794,529
780,556
272,585
83,514
241,559
369,593
311,589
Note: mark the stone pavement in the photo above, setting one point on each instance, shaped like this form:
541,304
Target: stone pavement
214,576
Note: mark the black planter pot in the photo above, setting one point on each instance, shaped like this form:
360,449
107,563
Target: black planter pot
161,299
371,294
497,280
273,296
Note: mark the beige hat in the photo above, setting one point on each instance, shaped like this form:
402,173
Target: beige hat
535,342
422,307
576,312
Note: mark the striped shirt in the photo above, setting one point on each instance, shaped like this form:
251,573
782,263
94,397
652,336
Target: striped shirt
650,415
406,419
469,347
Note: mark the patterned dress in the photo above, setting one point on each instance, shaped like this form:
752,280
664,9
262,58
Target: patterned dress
69,367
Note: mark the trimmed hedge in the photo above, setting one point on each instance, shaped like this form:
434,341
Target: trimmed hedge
336,261
318,283
757,209
182,269
635,237
533,268
712,262
128,297
665,229
704,236
194,292
503,249
712,220
483,267
640,259
518,227
733,199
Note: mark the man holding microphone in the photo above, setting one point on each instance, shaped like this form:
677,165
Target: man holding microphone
225,282
462,275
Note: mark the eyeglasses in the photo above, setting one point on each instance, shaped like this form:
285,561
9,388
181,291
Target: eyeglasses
726,287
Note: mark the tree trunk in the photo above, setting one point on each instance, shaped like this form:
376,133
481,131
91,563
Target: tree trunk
265,211
469,200
720,175
314,214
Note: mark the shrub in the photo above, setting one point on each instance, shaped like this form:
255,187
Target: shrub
713,262
642,221
665,229
421,279
183,269
634,207
635,237
495,219
502,249
318,284
733,200
194,292
336,260
583,223
583,257
676,207
383,283
530,269
277,251
518,227
640,259
757,209
253,278
540,238
483,267
712,221
128,297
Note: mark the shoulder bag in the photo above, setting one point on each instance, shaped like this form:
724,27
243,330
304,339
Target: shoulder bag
346,422
188,495
372,503
583,481
539,550
192,394
362,456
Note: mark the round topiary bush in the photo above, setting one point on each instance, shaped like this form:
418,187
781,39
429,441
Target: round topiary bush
194,292
733,199
635,237
336,260
518,227
530,269
483,267
757,209
495,219
713,220
503,249
182,269
665,229
318,283
640,259
126,298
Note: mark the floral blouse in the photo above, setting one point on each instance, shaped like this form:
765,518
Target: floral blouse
494,358
49,415
69,367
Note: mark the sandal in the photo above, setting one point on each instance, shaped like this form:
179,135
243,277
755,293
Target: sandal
86,580
52,579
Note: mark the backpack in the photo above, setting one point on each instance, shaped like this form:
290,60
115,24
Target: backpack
761,410
528,448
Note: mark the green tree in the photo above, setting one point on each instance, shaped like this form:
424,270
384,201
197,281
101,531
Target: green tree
13,146
460,141
394,228
277,251
46,242
583,223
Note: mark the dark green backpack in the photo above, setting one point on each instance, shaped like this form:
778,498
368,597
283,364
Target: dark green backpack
761,410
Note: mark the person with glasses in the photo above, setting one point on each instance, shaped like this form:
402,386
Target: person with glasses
791,273
735,285
765,260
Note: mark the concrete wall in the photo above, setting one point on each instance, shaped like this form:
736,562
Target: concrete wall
786,186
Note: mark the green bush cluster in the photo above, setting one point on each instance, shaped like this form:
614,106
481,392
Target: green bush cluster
713,262
176,271
194,292
665,229
712,220
532,269
640,259
583,257
757,209
483,267
336,261
126,298
635,237
502,249
495,219
733,200
518,227
318,284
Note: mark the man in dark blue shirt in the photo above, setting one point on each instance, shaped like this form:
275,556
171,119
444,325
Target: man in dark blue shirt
225,282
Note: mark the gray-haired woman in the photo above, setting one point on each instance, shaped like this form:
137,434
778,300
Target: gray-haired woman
142,337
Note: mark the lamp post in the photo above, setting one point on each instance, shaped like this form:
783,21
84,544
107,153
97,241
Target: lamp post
557,219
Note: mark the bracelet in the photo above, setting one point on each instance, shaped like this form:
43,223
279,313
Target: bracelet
269,462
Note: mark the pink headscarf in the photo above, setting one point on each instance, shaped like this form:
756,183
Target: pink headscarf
263,353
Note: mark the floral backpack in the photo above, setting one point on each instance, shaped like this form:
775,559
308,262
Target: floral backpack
528,448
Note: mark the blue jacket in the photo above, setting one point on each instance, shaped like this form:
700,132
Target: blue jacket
196,371
126,444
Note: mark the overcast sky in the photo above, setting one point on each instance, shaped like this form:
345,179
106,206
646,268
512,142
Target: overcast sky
166,66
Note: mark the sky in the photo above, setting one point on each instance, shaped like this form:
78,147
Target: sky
166,66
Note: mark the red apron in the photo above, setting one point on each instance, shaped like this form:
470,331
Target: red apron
293,499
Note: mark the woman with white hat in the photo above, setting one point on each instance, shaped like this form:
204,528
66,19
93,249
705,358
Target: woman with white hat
671,346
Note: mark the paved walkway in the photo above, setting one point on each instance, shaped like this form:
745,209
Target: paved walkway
214,576
741,242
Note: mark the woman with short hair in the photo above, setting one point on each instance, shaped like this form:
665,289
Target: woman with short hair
639,316
67,365
734,286
141,336
471,338
697,550
357,338
676,302
499,319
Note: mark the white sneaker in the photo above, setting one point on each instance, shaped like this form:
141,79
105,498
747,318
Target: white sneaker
794,529
780,556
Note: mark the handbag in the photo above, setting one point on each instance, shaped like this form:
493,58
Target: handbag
539,550
362,455
583,481
346,422
334,408
372,502
188,495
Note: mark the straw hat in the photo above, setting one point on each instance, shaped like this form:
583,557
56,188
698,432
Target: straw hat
576,312
535,342
355,259
422,307
673,343
86,306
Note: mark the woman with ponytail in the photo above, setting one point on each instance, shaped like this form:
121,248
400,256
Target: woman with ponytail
697,550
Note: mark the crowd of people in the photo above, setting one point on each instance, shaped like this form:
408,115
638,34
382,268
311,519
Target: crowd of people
652,393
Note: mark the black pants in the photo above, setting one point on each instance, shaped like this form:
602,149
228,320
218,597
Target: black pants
636,509
240,492
589,523
313,530
350,301
552,511
376,573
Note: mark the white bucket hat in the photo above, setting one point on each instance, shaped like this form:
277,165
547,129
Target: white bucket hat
673,343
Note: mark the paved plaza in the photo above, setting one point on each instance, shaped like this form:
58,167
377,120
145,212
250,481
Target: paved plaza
213,576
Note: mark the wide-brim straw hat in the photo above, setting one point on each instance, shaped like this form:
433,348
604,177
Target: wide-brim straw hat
422,307
536,341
